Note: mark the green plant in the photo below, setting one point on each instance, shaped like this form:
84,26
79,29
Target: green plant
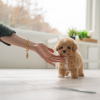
83,34
72,32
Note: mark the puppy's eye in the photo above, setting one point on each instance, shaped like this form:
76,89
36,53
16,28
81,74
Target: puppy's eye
68,47
60,47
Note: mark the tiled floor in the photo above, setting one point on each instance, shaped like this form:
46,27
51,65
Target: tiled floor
19,84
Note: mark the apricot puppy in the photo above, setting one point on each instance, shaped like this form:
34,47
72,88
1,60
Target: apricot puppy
73,62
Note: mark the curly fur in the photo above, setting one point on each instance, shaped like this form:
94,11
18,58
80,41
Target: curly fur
73,61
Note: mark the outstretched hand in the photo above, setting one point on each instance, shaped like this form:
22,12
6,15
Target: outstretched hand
47,54
44,51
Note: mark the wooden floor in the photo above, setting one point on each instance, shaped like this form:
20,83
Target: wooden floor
39,85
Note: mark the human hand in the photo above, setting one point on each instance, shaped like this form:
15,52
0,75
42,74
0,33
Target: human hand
47,53
44,51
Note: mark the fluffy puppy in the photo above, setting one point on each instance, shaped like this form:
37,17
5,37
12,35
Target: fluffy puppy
73,61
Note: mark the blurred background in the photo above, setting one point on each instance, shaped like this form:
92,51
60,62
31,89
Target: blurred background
43,20
50,16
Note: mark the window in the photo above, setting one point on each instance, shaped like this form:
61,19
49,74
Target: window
50,16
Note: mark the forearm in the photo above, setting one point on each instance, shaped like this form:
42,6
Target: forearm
18,41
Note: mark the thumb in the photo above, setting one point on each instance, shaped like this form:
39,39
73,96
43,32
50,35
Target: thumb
51,50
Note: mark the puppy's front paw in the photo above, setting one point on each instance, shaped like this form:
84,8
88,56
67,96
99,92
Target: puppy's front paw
81,74
74,76
61,76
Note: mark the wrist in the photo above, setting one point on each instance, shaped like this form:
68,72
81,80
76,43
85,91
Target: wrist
32,46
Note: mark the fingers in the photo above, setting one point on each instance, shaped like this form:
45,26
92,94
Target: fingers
46,53
54,60
57,57
51,50
45,58
48,61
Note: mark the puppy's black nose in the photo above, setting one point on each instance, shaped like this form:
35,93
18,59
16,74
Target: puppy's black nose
64,51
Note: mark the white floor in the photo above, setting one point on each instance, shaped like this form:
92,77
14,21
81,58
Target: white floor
31,84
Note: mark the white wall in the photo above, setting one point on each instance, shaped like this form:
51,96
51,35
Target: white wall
93,23
15,57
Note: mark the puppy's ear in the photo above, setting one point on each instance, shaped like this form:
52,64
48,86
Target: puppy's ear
75,46
56,48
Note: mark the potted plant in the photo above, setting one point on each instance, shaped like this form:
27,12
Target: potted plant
83,34
72,33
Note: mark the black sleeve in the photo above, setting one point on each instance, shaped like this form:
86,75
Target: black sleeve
5,31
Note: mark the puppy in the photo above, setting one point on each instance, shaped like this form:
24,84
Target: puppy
73,62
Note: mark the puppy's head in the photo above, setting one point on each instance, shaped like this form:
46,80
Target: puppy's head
66,47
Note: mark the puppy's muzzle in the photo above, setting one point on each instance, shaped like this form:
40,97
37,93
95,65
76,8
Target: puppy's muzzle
64,51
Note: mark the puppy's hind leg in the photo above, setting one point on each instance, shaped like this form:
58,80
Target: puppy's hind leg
74,73
80,71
